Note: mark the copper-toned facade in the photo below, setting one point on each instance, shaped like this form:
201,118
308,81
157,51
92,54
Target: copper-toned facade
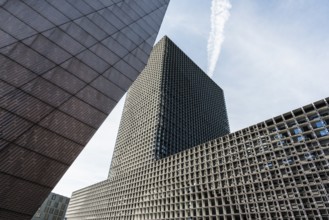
64,64
276,169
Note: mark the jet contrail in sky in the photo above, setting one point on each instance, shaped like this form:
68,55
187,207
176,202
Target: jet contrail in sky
219,15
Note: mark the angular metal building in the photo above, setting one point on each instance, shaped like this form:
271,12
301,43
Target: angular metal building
276,169
64,64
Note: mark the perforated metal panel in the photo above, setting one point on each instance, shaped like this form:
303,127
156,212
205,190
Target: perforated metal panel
64,66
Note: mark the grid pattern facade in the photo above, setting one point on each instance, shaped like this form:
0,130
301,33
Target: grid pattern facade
64,66
53,208
277,169
192,106
157,112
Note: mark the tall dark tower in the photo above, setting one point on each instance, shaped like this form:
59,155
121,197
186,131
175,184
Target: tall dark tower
171,107
64,66
191,106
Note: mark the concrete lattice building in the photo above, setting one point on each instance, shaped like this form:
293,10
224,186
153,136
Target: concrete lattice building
276,169
64,66
53,208
165,93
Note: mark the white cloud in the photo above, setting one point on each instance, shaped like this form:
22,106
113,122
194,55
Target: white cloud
219,16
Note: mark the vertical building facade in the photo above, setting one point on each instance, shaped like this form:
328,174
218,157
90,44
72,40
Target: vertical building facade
64,64
53,208
276,169
171,107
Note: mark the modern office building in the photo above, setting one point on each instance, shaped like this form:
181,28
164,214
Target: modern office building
172,106
64,64
276,169
53,208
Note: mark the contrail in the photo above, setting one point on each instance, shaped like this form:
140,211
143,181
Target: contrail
219,15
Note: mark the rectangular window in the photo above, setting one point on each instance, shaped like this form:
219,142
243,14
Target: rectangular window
288,160
269,165
320,124
297,131
300,138
324,132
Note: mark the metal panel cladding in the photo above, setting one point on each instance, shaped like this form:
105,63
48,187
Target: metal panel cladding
64,66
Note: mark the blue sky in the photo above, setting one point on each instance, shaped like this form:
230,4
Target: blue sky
275,58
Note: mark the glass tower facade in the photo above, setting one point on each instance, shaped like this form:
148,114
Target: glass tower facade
276,169
53,208
64,66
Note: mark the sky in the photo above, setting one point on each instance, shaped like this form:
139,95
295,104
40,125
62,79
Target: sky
274,57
